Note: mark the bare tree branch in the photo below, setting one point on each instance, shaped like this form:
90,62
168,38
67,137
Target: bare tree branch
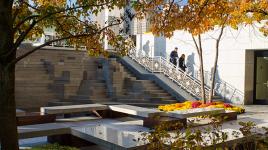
195,43
60,39
21,38
261,11
23,21
168,12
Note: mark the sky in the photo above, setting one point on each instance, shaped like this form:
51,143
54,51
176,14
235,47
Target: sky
183,2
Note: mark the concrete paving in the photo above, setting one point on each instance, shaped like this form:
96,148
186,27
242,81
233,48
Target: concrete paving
255,113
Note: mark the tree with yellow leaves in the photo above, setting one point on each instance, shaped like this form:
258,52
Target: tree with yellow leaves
21,20
200,16
251,12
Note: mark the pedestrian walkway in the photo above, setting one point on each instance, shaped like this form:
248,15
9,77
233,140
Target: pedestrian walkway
255,112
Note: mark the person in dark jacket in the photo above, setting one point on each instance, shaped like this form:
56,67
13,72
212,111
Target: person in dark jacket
174,56
182,62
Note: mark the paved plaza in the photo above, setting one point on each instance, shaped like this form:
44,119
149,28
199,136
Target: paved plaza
128,128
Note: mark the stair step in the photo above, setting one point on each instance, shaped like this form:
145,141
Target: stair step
79,97
32,77
131,99
88,100
29,80
131,78
31,71
159,94
37,64
149,88
31,84
161,98
146,101
87,97
148,105
94,81
154,91
60,103
31,63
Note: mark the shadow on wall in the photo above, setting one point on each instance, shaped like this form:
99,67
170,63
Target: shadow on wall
190,64
217,78
160,46
146,48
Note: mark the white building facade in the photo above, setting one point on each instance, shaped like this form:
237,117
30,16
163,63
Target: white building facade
242,66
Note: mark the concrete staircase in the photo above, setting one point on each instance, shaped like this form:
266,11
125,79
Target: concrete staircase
78,80
180,93
90,91
51,76
65,77
130,90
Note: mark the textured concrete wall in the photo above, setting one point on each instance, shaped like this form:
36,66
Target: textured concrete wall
49,75
232,56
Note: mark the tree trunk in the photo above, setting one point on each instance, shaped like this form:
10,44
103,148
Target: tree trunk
201,70
202,76
211,92
212,86
8,134
8,128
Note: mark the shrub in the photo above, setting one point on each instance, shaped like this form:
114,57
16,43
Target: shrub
205,138
54,147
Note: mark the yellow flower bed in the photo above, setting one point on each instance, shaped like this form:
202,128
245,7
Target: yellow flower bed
198,104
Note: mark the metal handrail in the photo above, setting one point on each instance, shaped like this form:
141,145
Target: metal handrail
159,64
191,84
224,89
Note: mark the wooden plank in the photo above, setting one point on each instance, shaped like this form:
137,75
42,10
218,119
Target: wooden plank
72,109
35,118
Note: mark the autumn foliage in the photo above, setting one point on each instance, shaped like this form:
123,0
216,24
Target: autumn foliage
200,16
71,21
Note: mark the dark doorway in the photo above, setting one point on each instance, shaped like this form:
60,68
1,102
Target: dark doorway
261,77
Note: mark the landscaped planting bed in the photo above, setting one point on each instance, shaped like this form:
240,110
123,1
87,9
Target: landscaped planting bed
199,104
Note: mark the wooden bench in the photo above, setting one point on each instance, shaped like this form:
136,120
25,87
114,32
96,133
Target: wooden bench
26,118
35,118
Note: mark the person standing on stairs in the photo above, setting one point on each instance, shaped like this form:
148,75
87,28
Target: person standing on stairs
182,62
174,56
